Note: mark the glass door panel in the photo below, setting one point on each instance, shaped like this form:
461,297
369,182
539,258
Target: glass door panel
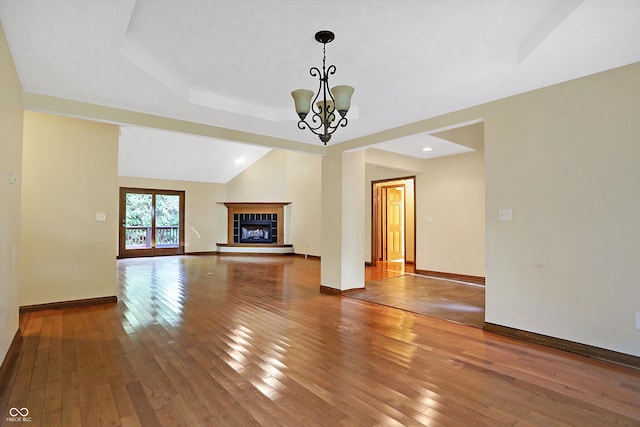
167,221
138,221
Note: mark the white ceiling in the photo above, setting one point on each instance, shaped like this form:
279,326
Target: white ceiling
151,153
423,146
233,64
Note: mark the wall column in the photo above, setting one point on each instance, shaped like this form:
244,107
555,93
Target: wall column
343,212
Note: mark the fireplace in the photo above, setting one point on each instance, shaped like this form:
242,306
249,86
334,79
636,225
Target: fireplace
255,228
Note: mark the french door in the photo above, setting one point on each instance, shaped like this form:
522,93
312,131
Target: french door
151,222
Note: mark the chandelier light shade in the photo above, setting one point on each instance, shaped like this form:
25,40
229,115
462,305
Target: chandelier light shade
302,99
323,104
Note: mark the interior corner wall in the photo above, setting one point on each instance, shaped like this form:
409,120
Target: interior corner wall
69,174
304,183
11,123
205,219
284,176
450,226
263,181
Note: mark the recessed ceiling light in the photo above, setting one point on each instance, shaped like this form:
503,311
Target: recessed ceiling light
239,160
427,149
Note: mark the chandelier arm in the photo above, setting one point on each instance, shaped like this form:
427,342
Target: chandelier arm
314,124
303,124
316,117
315,72
314,107
324,137
339,124
330,71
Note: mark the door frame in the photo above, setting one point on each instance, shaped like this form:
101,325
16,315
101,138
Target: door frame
152,251
377,205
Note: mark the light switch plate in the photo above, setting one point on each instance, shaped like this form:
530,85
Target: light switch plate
505,214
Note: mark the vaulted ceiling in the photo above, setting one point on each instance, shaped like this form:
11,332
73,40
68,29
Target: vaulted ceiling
233,64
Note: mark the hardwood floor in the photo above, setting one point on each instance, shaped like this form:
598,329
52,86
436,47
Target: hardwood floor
444,299
383,270
235,341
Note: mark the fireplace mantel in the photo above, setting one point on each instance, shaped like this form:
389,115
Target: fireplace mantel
239,213
251,205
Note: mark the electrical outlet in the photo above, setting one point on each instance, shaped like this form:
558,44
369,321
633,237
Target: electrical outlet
638,320
455,259
101,216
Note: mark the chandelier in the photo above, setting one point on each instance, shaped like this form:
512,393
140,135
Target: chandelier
326,101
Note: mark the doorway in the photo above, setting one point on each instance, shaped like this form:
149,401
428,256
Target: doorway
393,223
152,222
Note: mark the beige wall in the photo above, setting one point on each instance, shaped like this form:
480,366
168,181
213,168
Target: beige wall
264,181
450,194
565,159
10,194
205,218
69,174
303,214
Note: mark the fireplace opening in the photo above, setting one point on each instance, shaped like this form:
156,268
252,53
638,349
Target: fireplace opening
255,233
255,228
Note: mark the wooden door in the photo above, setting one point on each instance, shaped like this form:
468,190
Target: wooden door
395,223
152,222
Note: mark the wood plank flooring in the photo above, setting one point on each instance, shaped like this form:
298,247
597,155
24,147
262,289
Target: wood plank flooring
444,299
241,341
